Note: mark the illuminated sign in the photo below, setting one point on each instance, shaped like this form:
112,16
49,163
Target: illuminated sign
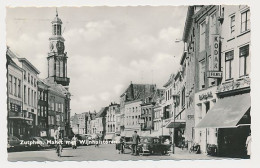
215,52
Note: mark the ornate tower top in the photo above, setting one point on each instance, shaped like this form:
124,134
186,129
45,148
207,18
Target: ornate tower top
57,57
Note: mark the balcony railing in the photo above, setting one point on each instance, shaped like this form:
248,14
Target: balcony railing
20,115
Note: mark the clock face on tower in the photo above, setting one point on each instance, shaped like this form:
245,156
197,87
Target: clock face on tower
60,46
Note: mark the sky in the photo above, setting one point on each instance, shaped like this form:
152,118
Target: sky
108,47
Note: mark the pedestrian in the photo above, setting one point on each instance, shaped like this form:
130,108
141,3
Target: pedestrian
97,141
74,142
117,139
248,145
136,140
167,141
122,144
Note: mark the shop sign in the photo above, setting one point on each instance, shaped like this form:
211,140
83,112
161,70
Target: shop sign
214,74
205,95
215,52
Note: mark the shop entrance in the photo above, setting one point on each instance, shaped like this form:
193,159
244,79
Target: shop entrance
232,141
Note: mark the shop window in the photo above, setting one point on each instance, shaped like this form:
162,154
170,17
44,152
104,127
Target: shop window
228,64
243,60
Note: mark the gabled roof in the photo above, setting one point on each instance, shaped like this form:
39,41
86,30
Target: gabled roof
138,91
188,23
102,112
169,81
28,63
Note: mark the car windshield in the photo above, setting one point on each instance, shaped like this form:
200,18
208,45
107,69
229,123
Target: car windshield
146,140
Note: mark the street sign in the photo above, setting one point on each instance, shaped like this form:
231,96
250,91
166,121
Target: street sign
214,74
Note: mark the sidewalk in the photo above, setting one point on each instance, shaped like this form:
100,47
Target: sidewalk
185,155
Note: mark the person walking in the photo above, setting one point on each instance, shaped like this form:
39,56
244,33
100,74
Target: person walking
136,140
248,145
117,139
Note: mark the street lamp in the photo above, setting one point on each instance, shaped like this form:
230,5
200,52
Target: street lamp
175,97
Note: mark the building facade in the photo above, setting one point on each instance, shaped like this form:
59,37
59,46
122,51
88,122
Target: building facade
42,109
111,119
30,75
16,118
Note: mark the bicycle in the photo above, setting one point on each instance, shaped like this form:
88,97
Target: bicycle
59,148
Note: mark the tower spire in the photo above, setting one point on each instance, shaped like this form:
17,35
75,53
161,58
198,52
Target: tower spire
56,12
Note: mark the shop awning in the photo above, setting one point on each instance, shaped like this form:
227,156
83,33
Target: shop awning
176,124
109,136
227,112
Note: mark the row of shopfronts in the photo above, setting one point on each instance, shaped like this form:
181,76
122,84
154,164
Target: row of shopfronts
215,82
207,101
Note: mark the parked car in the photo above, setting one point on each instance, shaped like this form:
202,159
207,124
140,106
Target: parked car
48,140
152,145
82,138
37,143
14,144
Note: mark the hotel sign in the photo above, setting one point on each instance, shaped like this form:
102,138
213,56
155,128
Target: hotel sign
215,52
214,74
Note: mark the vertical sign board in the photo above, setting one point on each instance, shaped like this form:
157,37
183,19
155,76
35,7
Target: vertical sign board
215,53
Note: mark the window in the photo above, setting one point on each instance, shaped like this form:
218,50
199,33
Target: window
202,35
24,90
24,75
55,30
183,98
15,86
245,21
42,113
10,84
243,61
228,64
32,100
232,26
39,110
28,77
202,74
31,80
35,101
52,106
34,82
29,99
19,88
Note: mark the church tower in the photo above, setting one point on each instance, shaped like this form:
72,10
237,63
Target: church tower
57,58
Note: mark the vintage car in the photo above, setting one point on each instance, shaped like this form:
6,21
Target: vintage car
14,144
152,145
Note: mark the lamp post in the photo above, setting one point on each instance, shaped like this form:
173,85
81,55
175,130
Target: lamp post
78,128
175,97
